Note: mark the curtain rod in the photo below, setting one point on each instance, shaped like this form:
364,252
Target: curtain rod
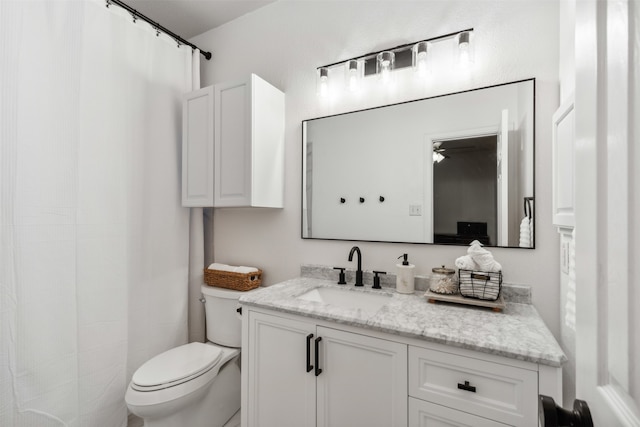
157,26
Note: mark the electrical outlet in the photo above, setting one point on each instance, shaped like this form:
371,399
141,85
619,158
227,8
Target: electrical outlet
415,210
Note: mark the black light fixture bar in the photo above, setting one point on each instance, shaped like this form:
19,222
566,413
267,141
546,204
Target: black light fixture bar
400,48
157,26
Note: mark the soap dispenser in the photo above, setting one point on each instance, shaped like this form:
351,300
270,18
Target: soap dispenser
405,276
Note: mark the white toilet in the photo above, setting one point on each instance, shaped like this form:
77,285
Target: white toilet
196,384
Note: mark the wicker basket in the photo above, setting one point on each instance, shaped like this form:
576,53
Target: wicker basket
231,280
480,284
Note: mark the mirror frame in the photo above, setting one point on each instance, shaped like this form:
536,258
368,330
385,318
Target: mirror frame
532,207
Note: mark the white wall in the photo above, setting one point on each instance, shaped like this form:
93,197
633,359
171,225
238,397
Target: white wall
285,42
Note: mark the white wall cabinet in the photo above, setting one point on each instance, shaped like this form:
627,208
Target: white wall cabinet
360,377
299,374
233,145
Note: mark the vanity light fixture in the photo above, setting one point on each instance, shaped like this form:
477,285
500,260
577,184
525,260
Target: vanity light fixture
385,62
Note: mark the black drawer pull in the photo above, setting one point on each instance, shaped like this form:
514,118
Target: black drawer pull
309,365
467,387
318,370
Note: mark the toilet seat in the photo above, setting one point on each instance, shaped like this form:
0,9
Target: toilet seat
176,366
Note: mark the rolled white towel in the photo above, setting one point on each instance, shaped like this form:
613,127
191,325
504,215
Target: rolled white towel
483,258
525,233
465,262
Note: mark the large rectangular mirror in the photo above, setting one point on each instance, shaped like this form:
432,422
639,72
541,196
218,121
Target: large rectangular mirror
444,170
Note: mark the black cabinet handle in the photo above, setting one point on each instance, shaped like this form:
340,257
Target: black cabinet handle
466,386
309,365
317,345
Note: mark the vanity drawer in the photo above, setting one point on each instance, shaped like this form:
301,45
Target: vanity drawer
425,414
491,390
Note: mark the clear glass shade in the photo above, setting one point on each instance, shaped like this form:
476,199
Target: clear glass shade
322,81
353,74
464,48
420,55
385,62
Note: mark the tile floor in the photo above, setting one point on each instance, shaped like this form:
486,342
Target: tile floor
134,421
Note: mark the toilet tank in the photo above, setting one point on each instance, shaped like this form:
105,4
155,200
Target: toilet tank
224,325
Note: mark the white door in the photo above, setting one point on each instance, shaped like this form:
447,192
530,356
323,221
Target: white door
503,180
379,395
607,235
281,390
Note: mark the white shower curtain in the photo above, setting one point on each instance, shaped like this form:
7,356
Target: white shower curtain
94,242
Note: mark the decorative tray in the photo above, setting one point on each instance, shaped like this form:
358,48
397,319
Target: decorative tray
497,305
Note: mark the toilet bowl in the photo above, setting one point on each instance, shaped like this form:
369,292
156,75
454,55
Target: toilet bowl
196,384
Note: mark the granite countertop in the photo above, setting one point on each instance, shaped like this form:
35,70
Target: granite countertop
517,332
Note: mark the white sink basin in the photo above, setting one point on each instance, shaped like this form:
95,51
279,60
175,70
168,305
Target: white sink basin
347,299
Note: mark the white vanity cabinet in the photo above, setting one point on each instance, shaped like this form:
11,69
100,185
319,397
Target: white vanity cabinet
371,378
299,373
233,145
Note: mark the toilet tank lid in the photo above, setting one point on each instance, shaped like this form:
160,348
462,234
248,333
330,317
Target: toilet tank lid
176,364
212,291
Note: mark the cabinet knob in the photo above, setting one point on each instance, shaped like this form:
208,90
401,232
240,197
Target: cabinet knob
466,386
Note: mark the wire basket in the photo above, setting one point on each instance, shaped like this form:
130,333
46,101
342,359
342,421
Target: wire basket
232,280
480,284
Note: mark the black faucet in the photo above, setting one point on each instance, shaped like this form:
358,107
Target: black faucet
359,270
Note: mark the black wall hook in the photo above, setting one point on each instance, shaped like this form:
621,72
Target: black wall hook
361,199
342,200
381,199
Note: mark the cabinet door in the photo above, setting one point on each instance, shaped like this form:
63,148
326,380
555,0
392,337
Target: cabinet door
197,148
281,393
363,381
233,144
425,414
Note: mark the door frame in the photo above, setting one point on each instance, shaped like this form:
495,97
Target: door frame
430,140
